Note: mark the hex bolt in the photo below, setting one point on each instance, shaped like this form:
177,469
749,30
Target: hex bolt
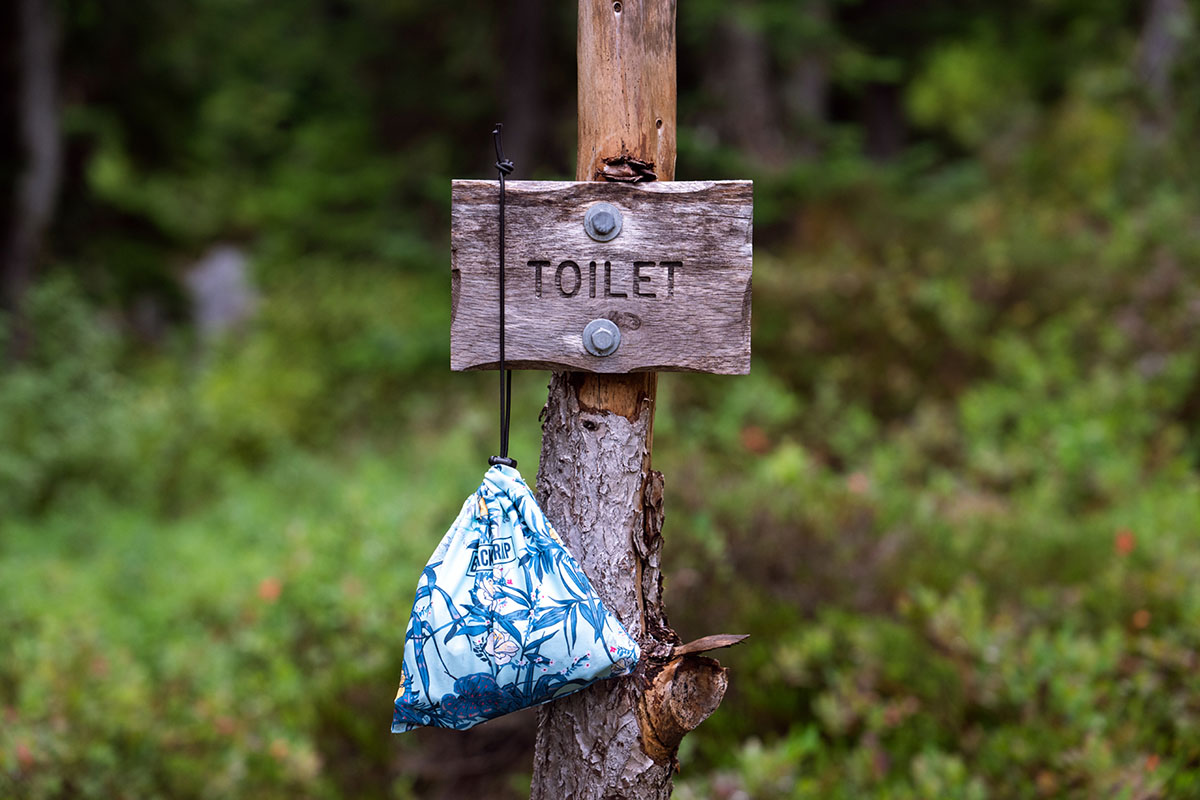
601,337
602,222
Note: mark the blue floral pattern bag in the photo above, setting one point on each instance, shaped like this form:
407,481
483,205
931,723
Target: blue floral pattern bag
504,618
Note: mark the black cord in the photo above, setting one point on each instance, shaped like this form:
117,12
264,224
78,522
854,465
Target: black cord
504,167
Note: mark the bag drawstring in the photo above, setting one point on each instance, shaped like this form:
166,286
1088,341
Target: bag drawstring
503,168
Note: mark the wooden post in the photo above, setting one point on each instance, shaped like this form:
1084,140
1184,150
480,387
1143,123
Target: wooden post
618,739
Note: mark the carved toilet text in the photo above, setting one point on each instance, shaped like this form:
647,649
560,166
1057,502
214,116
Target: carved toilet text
642,279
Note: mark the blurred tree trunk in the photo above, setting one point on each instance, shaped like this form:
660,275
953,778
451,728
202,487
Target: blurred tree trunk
739,74
884,120
40,156
1164,33
806,85
524,87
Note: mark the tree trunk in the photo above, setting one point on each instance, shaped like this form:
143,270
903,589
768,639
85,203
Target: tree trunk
617,739
739,73
884,120
1164,35
37,184
524,86
806,83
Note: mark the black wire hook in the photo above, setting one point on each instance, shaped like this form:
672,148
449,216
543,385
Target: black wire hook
503,165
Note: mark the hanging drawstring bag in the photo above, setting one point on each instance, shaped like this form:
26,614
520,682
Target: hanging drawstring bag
504,618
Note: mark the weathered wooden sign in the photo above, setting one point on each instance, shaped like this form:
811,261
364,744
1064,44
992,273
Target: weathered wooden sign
604,277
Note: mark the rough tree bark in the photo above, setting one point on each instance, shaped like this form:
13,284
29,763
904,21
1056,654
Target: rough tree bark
618,739
37,184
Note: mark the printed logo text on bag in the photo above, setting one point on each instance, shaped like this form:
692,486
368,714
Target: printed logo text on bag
488,554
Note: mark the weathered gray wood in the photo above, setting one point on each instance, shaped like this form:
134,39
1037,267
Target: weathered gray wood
682,261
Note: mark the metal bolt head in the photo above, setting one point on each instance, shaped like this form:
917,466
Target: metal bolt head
602,222
601,337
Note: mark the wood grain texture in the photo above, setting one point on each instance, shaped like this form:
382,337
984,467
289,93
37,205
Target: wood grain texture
625,72
594,479
626,57
676,281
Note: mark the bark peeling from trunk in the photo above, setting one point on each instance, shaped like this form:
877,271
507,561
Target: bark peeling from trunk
591,485
617,739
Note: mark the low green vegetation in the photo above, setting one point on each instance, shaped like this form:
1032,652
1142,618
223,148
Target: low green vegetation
955,503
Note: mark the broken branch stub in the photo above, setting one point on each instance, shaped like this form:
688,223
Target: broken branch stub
681,695
626,169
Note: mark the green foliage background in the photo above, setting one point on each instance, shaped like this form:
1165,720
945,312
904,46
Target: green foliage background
956,503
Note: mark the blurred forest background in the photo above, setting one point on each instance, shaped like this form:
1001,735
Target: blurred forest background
957,501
